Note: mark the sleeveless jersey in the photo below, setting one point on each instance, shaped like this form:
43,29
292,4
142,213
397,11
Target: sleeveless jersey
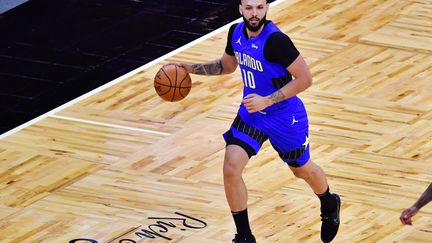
257,72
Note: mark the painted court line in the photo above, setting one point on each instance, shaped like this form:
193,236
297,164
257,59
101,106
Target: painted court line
125,76
109,125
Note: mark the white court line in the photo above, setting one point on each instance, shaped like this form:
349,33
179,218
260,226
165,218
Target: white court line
110,125
127,75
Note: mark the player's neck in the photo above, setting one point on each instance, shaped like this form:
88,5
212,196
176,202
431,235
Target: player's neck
254,34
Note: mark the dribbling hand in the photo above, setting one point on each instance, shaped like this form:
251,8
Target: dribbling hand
188,67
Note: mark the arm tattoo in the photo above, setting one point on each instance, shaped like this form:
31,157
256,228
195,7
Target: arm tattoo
277,96
211,68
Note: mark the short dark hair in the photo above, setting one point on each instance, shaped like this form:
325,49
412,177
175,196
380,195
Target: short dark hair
241,0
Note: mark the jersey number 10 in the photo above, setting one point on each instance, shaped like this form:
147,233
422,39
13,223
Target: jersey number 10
248,79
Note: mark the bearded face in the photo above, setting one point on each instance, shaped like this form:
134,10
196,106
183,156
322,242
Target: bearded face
254,14
254,23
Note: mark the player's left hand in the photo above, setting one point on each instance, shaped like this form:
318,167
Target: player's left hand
407,214
254,102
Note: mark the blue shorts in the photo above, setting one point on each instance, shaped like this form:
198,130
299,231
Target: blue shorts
286,129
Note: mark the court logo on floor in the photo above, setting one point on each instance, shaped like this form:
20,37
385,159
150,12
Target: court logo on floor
156,230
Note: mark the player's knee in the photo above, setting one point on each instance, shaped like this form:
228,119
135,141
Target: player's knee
235,161
303,174
230,170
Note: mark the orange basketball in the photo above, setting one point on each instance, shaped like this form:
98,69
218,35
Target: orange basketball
172,82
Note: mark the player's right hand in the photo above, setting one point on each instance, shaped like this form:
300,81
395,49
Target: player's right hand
188,67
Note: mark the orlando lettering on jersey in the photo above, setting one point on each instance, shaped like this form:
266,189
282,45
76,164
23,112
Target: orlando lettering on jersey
248,61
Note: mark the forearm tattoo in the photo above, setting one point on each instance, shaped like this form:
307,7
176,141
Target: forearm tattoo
212,68
277,96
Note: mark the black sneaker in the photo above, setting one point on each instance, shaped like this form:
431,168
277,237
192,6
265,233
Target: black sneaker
330,222
249,239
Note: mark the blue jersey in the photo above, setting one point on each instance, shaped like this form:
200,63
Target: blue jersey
284,124
257,72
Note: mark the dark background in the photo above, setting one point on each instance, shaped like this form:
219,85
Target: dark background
53,51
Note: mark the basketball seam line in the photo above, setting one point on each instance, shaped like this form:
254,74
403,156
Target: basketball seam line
173,95
172,86
167,76
184,78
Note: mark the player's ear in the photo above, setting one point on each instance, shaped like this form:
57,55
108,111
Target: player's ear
240,10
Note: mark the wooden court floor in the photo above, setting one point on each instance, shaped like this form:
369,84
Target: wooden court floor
124,166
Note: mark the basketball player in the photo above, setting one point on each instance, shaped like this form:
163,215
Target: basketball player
270,110
425,198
